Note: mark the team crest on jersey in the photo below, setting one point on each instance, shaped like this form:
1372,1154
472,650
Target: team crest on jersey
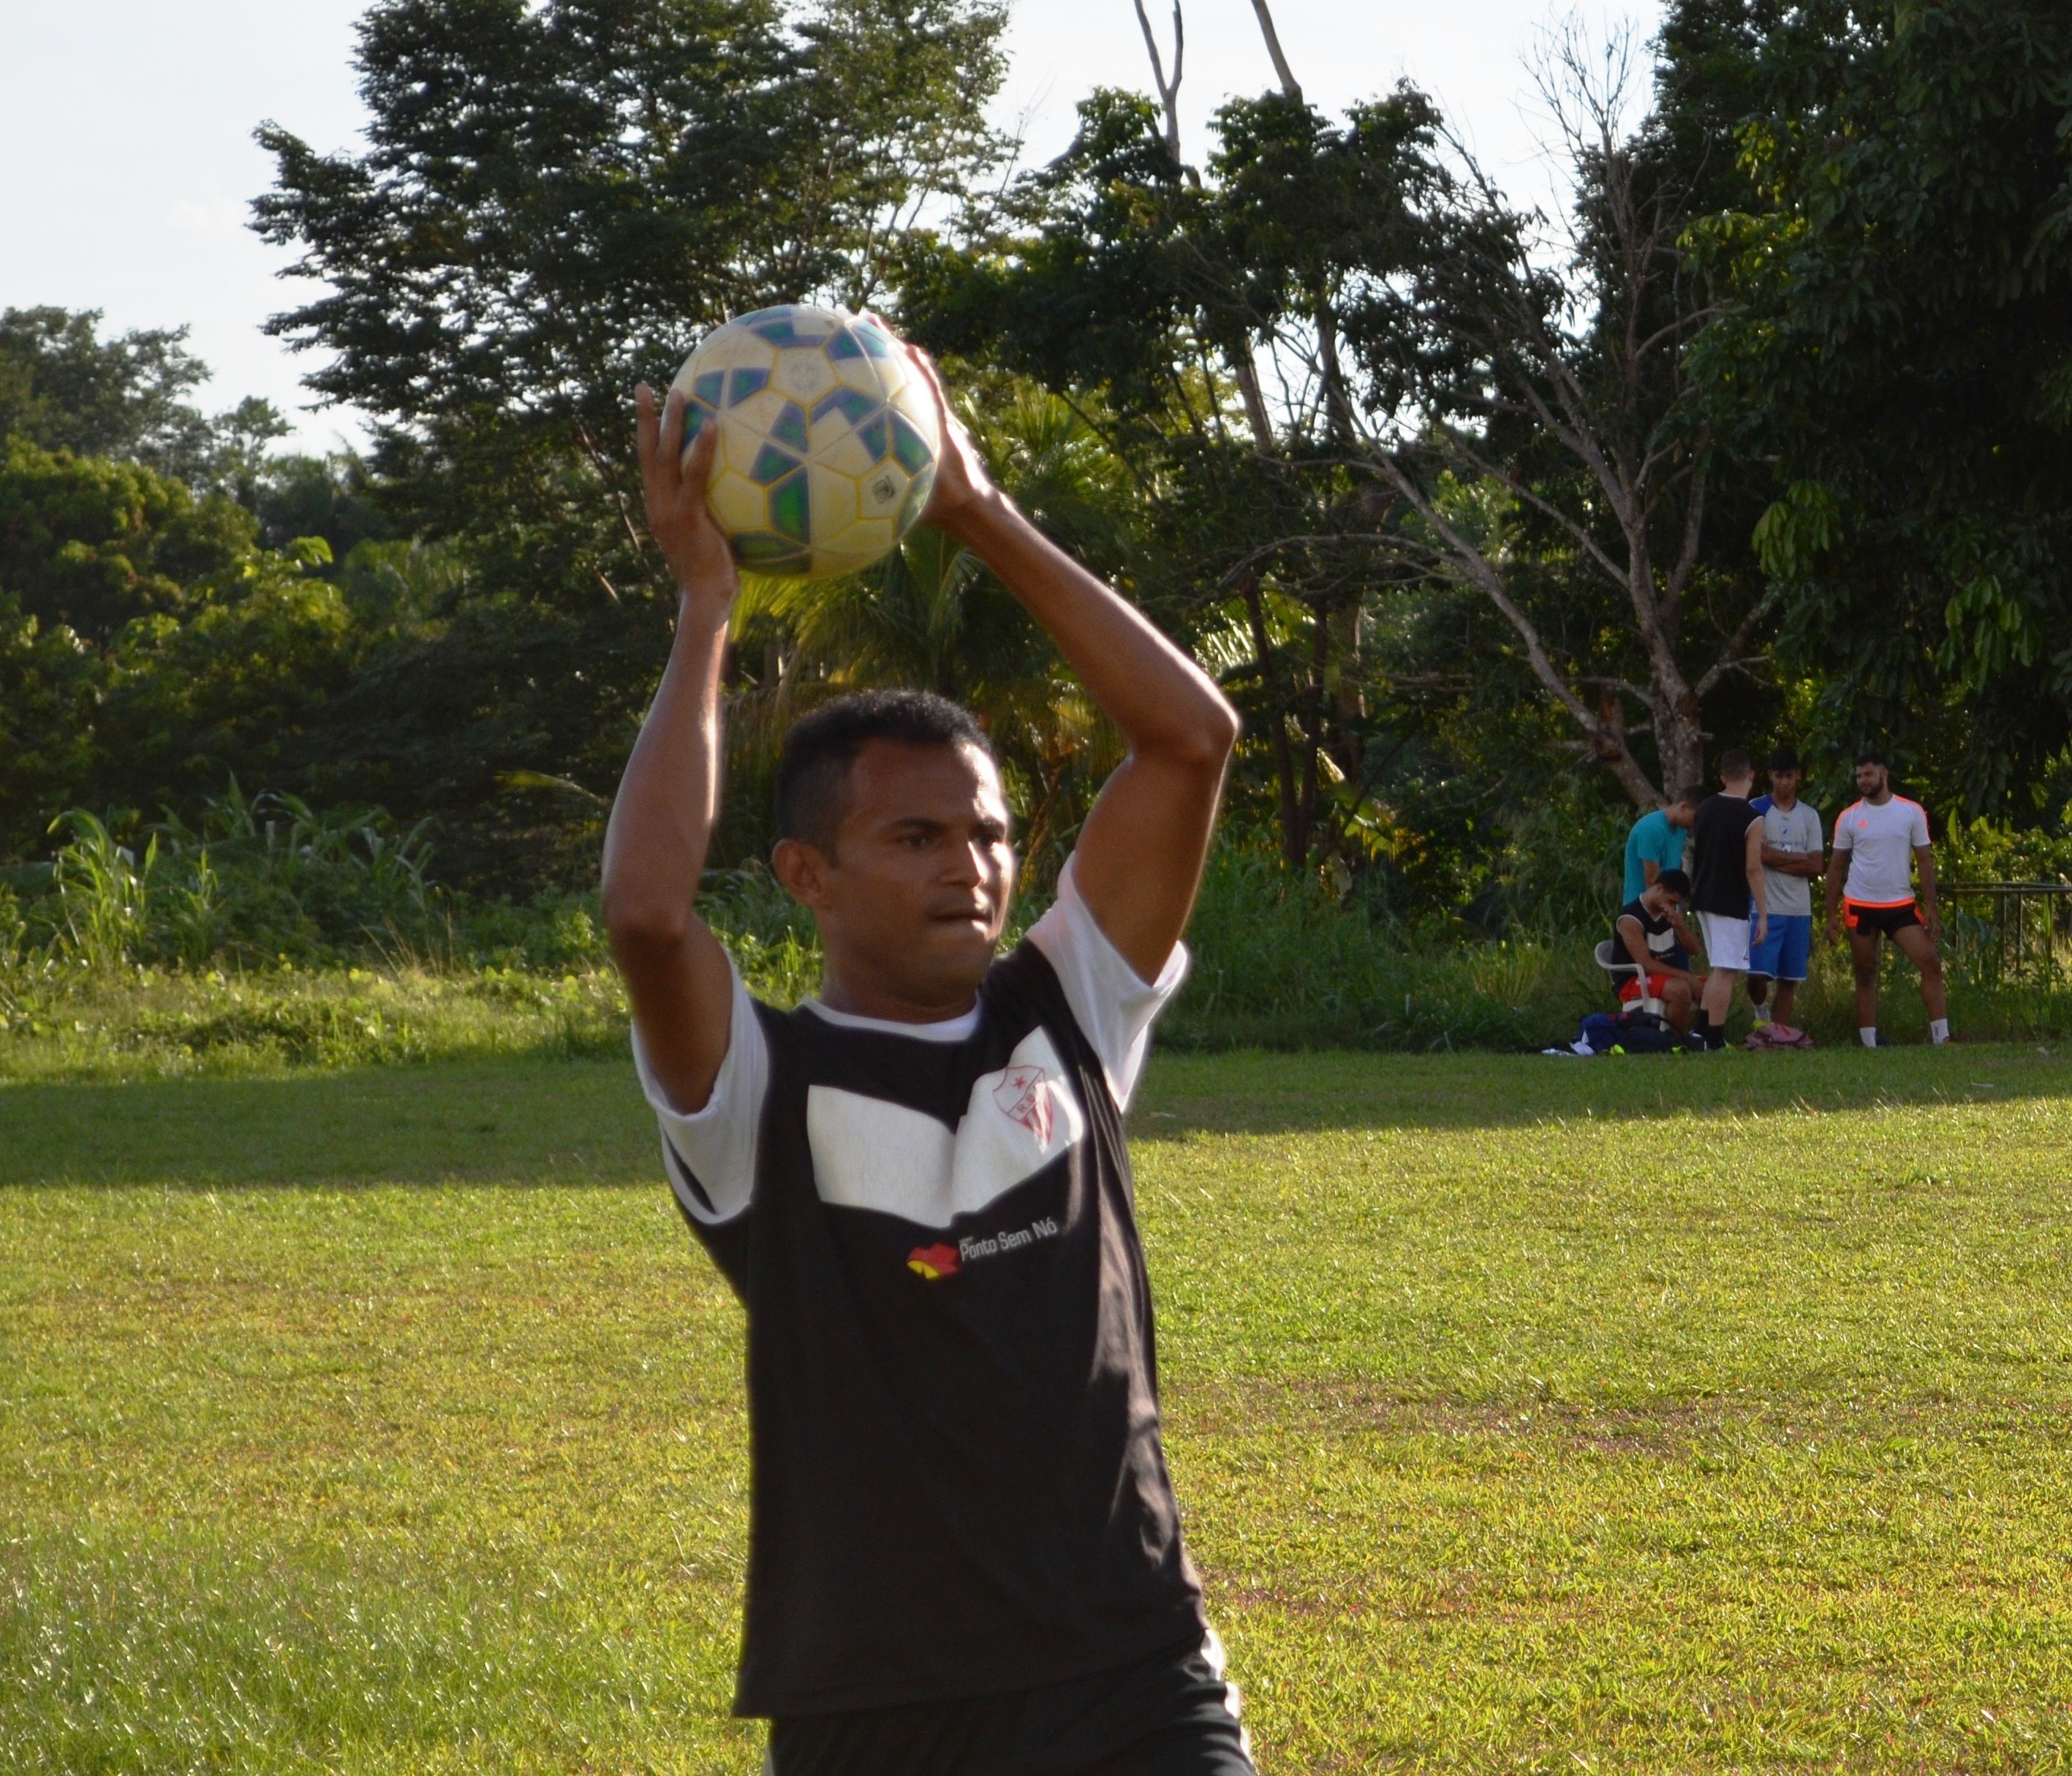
1021,1099
934,1262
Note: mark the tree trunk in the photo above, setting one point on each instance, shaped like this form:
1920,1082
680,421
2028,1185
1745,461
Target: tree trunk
1294,836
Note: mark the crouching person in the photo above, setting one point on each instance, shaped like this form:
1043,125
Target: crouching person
1650,931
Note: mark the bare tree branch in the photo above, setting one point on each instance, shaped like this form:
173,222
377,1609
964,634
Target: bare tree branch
1285,74
1169,92
1728,661
1607,739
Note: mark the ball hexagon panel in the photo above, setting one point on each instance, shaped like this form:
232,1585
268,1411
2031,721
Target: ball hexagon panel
828,441
805,376
738,503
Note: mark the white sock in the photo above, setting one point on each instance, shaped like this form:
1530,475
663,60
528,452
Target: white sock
1763,1013
1868,1038
1938,1030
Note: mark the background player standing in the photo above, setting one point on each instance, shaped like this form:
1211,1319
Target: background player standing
1791,857
1727,890
1879,841
964,1554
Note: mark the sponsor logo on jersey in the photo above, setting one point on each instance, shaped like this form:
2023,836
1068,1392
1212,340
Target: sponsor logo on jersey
936,1262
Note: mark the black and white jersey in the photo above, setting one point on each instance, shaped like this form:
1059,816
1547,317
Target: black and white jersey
959,1486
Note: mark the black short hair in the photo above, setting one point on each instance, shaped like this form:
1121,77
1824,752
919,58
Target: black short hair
1734,762
1690,795
1785,758
813,770
1675,881
1872,755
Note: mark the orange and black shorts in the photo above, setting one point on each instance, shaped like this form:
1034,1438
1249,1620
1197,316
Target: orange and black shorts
1885,920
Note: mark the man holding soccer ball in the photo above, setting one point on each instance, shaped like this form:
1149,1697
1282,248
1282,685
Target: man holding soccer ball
965,1557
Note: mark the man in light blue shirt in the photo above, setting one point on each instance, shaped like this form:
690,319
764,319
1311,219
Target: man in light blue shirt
1656,842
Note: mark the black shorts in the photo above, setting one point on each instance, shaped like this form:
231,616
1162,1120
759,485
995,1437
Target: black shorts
1169,1715
1881,921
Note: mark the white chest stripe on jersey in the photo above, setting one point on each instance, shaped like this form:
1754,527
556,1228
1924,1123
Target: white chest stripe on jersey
871,1154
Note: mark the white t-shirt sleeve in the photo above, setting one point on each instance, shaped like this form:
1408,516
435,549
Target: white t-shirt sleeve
1843,840
710,1156
1115,1009
1918,825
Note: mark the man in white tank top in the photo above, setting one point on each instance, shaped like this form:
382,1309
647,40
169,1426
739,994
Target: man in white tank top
1880,840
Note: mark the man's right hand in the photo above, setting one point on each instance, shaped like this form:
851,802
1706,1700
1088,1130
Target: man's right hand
680,517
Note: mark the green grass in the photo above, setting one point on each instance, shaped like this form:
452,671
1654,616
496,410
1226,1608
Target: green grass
1668,1415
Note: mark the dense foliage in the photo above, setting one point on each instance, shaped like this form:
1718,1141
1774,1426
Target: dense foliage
1897,247
1497,525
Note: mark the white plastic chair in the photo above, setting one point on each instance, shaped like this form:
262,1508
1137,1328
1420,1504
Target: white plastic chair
1622,969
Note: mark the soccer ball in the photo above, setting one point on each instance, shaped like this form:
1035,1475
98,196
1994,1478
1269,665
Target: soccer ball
828,438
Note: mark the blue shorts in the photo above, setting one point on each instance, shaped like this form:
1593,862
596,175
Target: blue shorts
1783,954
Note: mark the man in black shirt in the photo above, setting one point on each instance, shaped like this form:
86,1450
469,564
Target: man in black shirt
1651,933
964,1555
1726,881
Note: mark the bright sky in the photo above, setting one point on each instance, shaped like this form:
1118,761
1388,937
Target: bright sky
125,131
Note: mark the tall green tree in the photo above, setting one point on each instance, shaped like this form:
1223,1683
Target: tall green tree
1893,230
1143,293
65,387
555,201
89,544
150,649
1457,403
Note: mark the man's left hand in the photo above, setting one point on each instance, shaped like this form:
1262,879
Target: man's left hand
961,478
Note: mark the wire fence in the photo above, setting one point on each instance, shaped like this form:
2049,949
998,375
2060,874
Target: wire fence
2010,931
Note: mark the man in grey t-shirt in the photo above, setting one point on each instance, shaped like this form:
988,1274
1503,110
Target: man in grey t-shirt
1792,856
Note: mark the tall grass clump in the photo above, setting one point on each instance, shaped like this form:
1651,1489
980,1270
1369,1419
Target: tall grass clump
272,934
1279,965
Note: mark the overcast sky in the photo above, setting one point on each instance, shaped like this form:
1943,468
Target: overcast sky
125,131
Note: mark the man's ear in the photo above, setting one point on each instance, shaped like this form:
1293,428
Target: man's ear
803,869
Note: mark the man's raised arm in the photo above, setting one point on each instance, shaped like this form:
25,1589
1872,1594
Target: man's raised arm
1139,858
676,974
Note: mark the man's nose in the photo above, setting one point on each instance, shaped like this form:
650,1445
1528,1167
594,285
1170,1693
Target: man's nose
967,863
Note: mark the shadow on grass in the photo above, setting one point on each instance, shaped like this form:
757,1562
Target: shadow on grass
1262,1093
518,1121
528,1121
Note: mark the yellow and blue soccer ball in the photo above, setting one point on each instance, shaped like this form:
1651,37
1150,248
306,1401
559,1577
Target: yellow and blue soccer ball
828,438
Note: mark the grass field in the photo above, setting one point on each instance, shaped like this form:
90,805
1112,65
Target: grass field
1669,1414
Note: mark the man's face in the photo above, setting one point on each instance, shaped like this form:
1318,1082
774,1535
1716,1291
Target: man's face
1664,902
1784,786
1682,813
1871,779
916,895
